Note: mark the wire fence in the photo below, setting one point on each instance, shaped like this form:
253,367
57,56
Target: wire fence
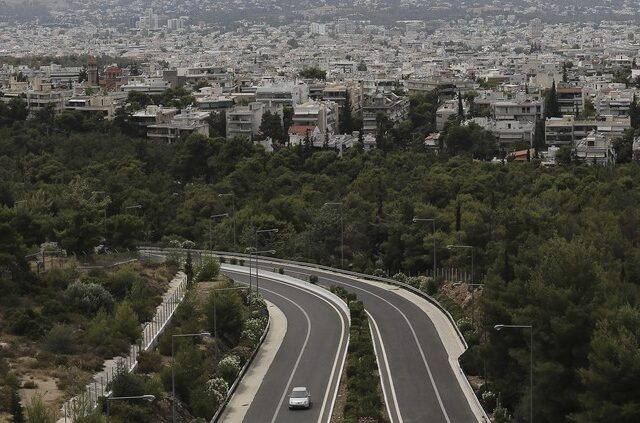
84,403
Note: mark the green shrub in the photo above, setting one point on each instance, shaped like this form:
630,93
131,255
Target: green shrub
125,384
281,270
228,368
149,362
88,297
241,262
99,330
234,261
121,281
28,323
222,259
125,322
53,308
313,279
61,339
209,270
141,300
38,412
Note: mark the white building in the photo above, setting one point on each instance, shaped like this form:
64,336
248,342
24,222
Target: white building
244,121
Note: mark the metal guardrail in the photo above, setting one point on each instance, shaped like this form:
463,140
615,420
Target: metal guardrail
329,269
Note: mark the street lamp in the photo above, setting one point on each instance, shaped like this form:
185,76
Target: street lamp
260,231
530,327
339,204
233,205
213,216
173,376
420,219
142,397
256,253
137,206
470,247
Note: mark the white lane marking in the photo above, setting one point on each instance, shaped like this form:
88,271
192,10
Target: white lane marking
340,345
415,338
388,370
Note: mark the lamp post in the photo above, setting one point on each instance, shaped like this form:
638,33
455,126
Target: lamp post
173,376
137,206
213,216
233,205
339,204
142,397
470,247
420,219
256,253
260,231
530,327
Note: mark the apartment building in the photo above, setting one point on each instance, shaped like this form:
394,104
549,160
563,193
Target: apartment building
244,121
567,130
186,123
323,114
570,100
595,148
100,104
394,107
521,111
275,97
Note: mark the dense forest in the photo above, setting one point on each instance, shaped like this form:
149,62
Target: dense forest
557,248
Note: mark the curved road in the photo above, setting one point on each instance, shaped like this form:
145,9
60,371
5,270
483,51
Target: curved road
419,382
312,352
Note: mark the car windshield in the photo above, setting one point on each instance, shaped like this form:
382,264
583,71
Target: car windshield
299,394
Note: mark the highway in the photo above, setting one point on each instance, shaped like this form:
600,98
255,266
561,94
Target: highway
312,353
421,379
419,383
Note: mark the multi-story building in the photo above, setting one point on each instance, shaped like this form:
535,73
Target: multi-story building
184,124
323,114
394,107
244,121
522,111
277,96
153,115
509,132
595,148
567,130
151,86
214,75
37,94
100,104
614,103
570,100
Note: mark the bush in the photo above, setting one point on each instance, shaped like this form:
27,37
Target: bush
313,279
241,262
88,297
222,259
61,339
209,270
38,412
234,261
228,368
28,323
149,362
125,384
141,300
281,270
53,308
125,322
99,330
121,281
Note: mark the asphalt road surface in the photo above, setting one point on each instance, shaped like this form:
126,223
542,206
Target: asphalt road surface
418,382
311,354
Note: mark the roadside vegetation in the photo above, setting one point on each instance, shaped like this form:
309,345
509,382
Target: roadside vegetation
205,367
364,393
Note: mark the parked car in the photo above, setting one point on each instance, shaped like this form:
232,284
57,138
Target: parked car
299,398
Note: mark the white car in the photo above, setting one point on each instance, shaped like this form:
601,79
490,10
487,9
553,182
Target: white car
299,398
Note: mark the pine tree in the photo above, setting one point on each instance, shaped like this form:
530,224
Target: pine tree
458,217
551,106
460,106
634,113
346,118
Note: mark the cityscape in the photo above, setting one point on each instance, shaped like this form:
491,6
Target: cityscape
341,212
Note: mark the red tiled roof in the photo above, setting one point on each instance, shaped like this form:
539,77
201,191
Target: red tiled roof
301,129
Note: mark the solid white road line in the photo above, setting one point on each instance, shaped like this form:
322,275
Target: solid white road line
373,326
335,374
415,337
